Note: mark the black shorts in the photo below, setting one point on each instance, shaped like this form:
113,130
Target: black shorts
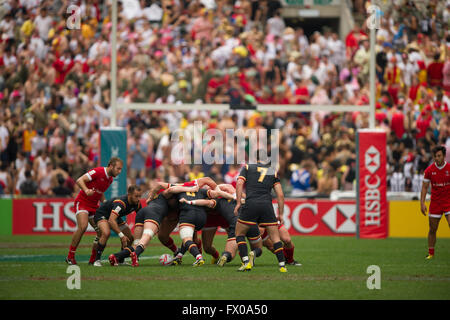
194,218
252,233
150,214
261,213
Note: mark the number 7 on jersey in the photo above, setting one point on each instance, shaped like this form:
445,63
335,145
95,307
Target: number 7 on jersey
262,173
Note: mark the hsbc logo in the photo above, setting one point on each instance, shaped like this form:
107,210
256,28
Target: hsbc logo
372,185
340,218
61,215
372,159
319,218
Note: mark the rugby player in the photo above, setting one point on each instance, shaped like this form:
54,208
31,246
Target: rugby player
259,179
438,176
92,186
288,245
170,222
111,215
222,215
193,218
148,221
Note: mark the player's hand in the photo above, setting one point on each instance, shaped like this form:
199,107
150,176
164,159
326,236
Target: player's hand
236,209
89,192
281,219
195,188
423,209
183,200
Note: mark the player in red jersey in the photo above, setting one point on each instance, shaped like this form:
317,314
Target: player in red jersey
92,185
438,175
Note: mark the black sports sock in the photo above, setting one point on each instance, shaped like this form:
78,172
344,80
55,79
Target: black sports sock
125,253
278,251
242,246
183,249
100,248
139,250
228,255
192,247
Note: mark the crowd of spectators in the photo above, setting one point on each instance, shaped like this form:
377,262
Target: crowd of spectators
55,88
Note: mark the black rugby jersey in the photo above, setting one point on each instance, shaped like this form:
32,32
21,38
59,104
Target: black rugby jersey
119,205
259,181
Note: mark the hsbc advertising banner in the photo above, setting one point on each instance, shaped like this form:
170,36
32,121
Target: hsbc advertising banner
56,216
48,216
371,199
320,217
44,216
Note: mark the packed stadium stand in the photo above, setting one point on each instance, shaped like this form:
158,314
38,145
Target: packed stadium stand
55,88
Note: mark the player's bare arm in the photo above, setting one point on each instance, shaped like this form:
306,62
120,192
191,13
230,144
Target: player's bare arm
219,193
227,188
179,189
112,221
155,187
423,195
200,202
239,188
81,183
206,181
280,200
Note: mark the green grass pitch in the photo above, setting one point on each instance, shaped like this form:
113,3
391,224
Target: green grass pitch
334,268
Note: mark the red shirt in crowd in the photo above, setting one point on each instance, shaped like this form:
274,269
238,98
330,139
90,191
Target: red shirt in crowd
397,123
422,124
413,92
62,70
302,91
435,73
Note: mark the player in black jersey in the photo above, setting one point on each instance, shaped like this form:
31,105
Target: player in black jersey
147,223
259,180
224,208
111,215
193,218
170,222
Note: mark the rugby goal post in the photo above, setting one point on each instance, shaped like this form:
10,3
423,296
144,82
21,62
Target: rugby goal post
222,107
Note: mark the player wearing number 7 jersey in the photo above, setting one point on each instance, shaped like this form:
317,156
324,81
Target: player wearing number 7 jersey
259,179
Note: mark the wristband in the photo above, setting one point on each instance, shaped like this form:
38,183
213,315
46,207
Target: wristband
121,234
190,202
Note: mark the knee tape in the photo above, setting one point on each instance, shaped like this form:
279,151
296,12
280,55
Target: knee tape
149,232
186,232
254,241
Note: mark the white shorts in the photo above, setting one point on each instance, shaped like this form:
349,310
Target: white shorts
438,215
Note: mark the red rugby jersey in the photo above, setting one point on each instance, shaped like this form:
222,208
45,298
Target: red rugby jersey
99,181
439,177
